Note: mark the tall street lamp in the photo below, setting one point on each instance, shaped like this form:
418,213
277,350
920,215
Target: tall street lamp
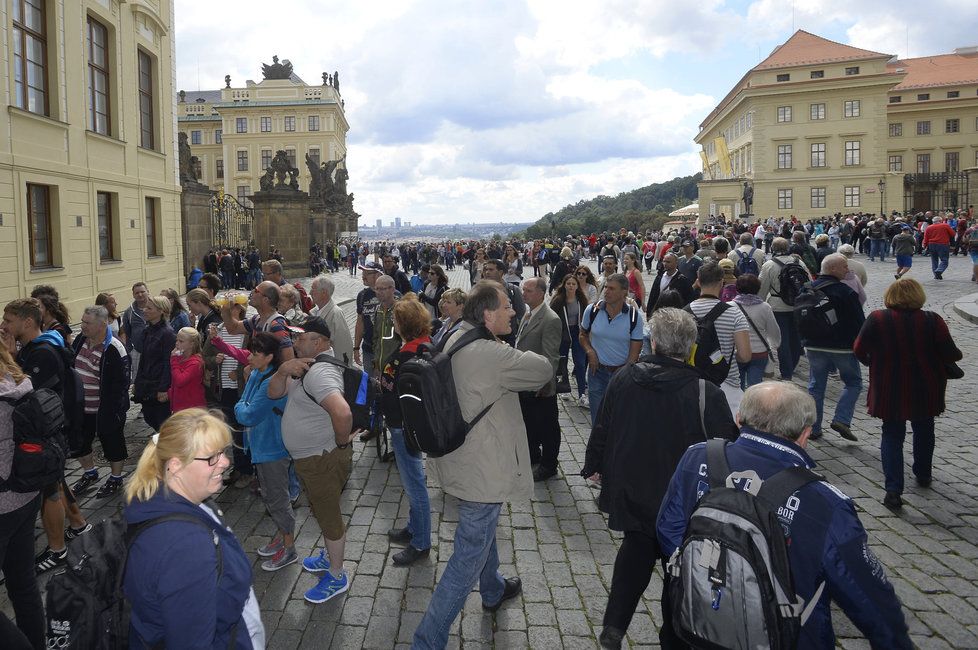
882,186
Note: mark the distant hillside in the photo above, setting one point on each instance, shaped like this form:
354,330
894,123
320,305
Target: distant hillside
641,209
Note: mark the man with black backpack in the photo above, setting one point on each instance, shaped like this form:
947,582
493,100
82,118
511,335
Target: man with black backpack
782,277
813,542
829,317
48,362
747,257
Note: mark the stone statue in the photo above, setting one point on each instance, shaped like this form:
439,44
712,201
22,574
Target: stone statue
294,179
227,81
316,182
267,182
277,70
280,175
748,198
336,81
339,190
187,172
325,79
183,96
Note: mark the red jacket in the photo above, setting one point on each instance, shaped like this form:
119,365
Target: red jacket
938,233
186,383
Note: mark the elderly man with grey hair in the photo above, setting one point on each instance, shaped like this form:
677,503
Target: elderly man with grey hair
652,411
103,366
789,352
857,267
829,550
321,291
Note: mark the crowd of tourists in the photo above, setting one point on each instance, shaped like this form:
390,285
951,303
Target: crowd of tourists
248,389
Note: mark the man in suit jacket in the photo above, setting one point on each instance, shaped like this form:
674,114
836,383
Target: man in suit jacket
669,278
540,331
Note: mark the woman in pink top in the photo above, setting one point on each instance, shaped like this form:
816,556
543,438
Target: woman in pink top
636,288
187,372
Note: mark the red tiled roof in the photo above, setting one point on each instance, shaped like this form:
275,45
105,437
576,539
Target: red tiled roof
804,48
940,70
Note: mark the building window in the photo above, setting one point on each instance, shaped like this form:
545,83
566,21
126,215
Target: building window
152,230
784,113
952,126
851,71
30,56
313,122
147,132
850,108
218,136
290,154
852,152
220,168
290,122
266,158
784,77
817,111
923,127
896,164
266,125
98,76
314,155
242,161
103,202
195,137
818,74
896,99
39,225
953,94
951,161
243,192
784,199
818,197
923,97
241,125
923,163
851,196
784,156
896,129
818,155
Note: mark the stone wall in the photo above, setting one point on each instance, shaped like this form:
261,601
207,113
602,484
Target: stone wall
196,226
282,222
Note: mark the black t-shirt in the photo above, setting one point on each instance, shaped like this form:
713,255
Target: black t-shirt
367,303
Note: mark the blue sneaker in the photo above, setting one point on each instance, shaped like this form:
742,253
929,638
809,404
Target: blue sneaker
316,563
328,587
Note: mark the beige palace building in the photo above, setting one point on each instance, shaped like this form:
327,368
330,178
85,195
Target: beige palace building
235,132
819,127
89,197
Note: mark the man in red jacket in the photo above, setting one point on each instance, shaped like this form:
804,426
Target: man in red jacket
937,240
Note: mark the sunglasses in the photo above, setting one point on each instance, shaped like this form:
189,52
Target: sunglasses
215,458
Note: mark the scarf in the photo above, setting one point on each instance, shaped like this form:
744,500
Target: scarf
748,299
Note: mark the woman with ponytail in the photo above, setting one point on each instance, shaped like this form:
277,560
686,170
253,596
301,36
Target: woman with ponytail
188,579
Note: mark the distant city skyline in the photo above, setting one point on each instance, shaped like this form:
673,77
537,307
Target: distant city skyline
577,99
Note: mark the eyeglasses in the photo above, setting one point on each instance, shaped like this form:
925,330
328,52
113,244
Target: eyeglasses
215,458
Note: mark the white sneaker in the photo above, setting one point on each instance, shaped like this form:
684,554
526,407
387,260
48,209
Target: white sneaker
583,402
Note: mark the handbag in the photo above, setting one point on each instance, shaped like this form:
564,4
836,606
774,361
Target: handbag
563,376
951,369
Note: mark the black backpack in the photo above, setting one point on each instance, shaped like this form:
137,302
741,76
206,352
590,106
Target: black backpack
85,605
39,444
730,580
814,312
432,417
792,277
746,262
706,354
73,398
359,390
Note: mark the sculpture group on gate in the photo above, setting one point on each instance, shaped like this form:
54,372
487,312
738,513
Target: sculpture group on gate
276,173
328,185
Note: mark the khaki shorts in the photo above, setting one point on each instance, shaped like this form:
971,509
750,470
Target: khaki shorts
323,478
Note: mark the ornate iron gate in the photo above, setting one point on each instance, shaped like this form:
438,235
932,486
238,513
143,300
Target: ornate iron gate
941,191
231,222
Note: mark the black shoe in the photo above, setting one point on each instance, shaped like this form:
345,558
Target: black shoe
892,501
399,535
611,638
409,556
49,559
542,473
815,435
844,431
923,481
87,480
109,489
512,588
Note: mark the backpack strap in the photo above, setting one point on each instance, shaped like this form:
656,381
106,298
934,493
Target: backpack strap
702,391
776,489
756,331
717,467
710,317
472,335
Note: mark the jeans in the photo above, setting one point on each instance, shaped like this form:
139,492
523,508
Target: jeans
820,364
891,451
597,382
790,349
938,257
475,559
752,372
294,488
579,357
411,468
876,249
17,562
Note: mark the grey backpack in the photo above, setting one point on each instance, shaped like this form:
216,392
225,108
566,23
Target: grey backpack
730,580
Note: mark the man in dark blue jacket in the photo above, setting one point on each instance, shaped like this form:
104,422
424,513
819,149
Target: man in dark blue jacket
826,541
832,347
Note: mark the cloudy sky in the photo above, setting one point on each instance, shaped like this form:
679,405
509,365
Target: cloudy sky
504,110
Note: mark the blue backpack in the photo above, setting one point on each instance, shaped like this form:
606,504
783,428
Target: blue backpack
746,262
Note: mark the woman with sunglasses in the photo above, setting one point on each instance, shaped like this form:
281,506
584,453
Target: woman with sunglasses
588,283
431,295
187,577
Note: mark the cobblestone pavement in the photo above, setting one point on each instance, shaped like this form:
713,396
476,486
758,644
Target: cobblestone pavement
559,543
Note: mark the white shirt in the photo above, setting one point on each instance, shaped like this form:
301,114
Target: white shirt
666,279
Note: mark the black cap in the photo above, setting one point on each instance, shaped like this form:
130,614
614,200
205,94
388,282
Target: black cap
315,325
371,266
689,242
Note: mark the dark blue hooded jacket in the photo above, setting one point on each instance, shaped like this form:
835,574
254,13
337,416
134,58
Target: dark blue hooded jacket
172,579
826,541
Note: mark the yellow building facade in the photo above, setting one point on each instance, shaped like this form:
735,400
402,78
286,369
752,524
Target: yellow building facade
235,132
811,128
89,195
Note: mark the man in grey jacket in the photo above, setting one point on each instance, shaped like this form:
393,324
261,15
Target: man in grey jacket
789,352
493,464
321,291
